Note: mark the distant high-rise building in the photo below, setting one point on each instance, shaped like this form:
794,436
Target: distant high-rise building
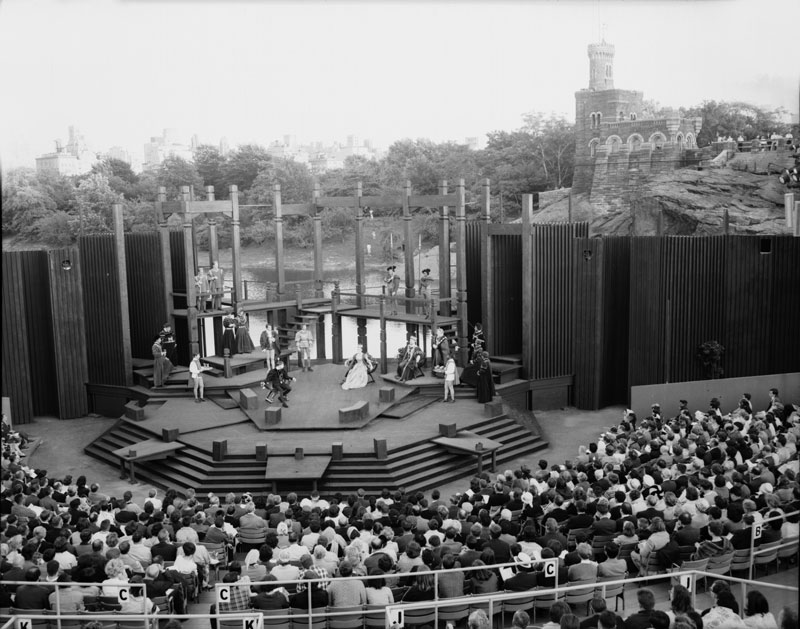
73,159
167,145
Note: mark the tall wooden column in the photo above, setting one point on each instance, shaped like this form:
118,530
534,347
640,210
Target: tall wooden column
527,287
166,256
236,247
122,278
382,311
213,241
461,272
444,254
408,247
280,287
186,196
487,289
360,290
318,273
191,298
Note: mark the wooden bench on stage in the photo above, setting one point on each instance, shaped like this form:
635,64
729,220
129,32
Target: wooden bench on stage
466,442
309,467
148,450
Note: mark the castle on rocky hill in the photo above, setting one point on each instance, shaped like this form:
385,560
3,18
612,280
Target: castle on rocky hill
616,146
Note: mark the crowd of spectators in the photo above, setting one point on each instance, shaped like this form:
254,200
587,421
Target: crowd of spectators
702,479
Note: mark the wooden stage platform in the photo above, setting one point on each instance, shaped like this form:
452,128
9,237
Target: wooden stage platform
233,449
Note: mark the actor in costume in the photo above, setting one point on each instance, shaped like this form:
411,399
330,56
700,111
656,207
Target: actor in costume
168,343
409,361
359,366
441,352
477,341
269,345
425,283
450,380
218,285
485,379
196,369
304,341
278,381
201,284
162,366
229,323
392,282
244,344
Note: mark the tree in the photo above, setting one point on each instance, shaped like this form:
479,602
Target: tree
734,119
211,165
55,229
120,176
244,165
174,173
24,205
554,141
94,199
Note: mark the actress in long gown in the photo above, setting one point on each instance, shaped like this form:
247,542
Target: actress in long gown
485,380
244,344
229,334
360,365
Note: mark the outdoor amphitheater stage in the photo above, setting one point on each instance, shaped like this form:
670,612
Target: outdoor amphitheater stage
393,445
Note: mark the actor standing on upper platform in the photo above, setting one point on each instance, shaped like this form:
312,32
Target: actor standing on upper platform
304,341
425,283
216,274
269,345
201,284
392,282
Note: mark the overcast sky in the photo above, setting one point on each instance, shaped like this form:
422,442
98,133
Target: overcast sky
123,70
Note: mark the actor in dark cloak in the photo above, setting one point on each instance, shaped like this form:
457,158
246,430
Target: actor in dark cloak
485,380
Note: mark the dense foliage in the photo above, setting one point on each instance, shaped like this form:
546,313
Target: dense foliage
538,156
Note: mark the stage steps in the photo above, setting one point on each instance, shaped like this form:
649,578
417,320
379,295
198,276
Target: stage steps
425,464
420,465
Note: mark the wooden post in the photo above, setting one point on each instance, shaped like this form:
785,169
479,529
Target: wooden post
527,289
317,244
444,254
382,311
191,301
360,290
408,248
487,292
213,242
278,219
166,255
336,324
461,271
122,278
236,247
361,331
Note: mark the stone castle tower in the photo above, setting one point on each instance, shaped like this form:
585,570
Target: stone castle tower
614,145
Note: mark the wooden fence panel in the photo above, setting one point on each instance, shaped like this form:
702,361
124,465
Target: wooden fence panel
16,376
66,308
145,290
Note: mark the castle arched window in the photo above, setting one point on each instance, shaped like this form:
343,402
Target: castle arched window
658,140
633,116
608,70
613,143
621,116
593,147
599,119
679,140
635,142
690,141
594,120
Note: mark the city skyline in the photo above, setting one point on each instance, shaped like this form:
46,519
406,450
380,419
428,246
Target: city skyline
255,71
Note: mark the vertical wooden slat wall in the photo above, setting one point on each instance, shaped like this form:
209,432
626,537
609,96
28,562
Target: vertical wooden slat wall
146,305
552,278
36,287
66,308
16,377
616,294
587,345
506,277
101,308
474,272
645,336
784,340
177,248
